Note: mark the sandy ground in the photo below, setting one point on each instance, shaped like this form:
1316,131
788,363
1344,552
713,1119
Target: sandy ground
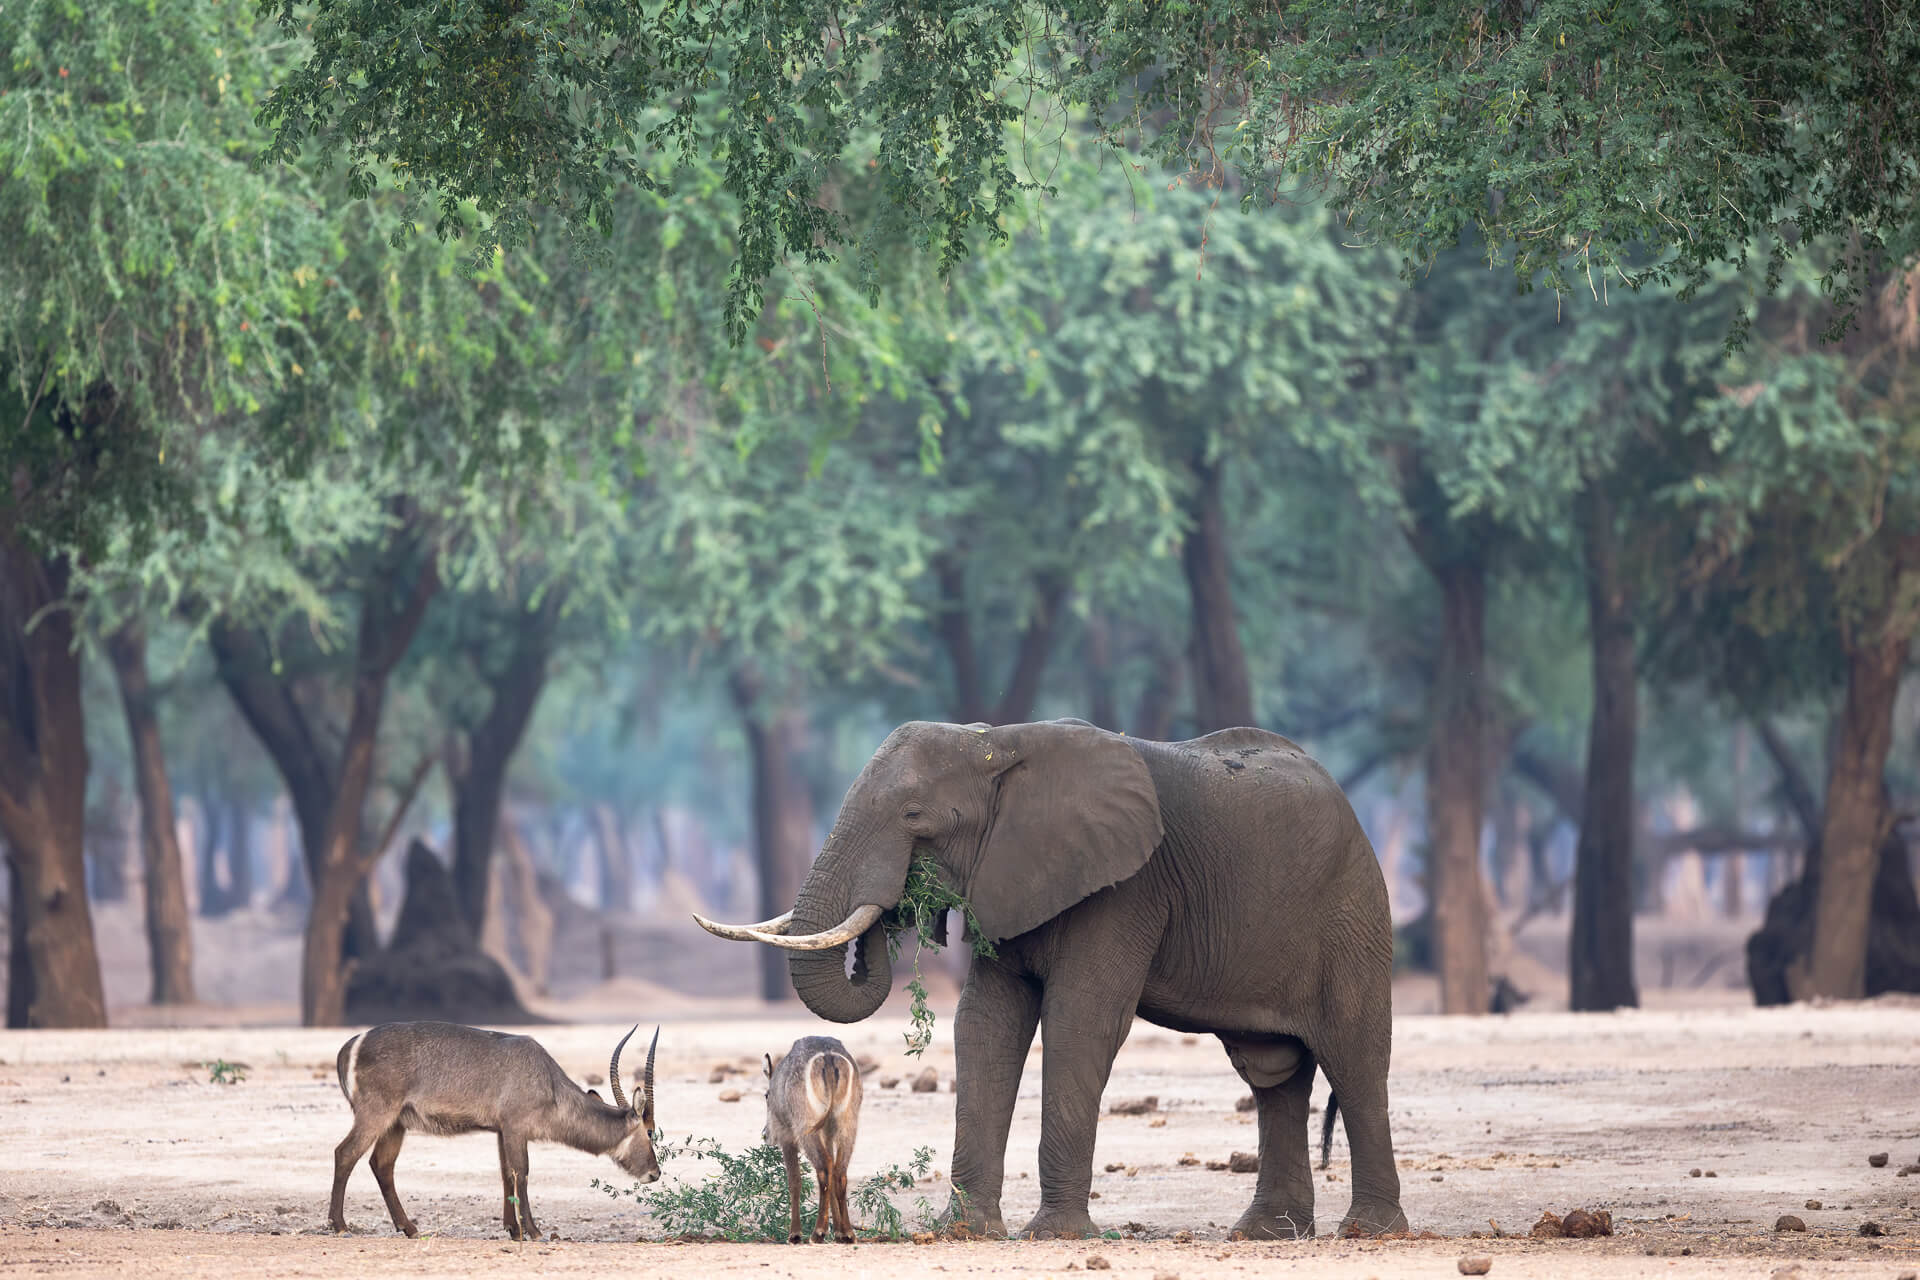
121,1154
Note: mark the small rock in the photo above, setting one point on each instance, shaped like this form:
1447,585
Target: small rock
888,1082
1813,1204
1135,1106
1138,1228
1189,1040
1872,1228
1093,1195
1787,1222
1115,1167
1908,1275
1097,1263
1909,1171
923,1237
1183,1237
1166,1275
1243,1162
717,1075
729,1095
1693,1173
928,1081
867,1064
1712,1174
1550,1227
1245,1104
1218,1166
1789,1272
1158,1122
1188,1160
1878,1159
594,1077
1439,1177
1477,1265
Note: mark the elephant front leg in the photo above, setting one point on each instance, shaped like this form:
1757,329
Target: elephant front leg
992,1031
1084,1028
1281,1076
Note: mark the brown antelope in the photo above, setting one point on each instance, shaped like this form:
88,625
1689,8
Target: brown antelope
813,1105
441,1078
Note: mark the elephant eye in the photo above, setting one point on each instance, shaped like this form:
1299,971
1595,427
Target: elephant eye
914,815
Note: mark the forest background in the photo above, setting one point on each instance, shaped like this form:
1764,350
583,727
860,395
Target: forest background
597,540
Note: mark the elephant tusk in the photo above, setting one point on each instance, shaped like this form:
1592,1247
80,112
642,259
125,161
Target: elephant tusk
852,927
744,932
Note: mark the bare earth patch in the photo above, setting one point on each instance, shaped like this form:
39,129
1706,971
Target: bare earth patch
121,1157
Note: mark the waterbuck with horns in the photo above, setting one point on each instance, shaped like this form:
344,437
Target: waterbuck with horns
438,1077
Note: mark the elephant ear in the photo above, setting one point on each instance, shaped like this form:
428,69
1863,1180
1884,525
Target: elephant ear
1074,811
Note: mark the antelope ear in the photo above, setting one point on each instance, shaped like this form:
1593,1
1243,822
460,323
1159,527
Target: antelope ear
769,1058
595,1095
1075,811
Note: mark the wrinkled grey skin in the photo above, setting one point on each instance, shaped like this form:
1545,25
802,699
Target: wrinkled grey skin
1221,885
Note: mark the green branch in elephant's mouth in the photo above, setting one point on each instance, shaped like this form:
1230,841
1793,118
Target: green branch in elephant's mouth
923,905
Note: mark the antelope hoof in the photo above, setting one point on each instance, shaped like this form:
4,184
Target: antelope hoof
412,1232
844,1239
819,1236
793,1237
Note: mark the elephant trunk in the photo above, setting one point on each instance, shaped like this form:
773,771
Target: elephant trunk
842,879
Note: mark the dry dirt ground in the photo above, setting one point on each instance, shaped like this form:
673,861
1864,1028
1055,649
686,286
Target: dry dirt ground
121,1156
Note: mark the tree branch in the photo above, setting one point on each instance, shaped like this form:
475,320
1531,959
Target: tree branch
969,703
371,857
1793,779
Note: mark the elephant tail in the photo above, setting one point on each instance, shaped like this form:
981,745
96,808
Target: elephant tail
1326,1130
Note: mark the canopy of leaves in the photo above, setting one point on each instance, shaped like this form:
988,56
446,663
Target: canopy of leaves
1582,139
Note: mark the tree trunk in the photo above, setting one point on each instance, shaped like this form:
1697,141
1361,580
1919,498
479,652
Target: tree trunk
114,818
1159,700
169,935
616,861
43,791
268,705
783,818
954,624
1101,707
482,781
386,629
1856,815
1222,688
1600,960
239,857
19,967
1456,779
1036,646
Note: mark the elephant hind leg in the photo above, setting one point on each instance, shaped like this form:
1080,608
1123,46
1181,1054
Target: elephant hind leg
1357,1073
1281,1075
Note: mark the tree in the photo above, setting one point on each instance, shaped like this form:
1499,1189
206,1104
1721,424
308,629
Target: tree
43,790
1805,564
169,935
1649,141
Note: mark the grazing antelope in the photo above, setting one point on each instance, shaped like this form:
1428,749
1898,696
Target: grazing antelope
813,1105
441,1078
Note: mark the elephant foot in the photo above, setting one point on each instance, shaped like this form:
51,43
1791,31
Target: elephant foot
1261,1223
1373,1218
1060,1224
979,1219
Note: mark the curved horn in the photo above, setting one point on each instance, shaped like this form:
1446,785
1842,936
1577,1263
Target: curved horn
744,932
647,1079
613,1069
852,927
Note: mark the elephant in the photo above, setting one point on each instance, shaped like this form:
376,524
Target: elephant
1220,885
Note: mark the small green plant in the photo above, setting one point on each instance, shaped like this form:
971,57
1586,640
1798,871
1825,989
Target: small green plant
220,1071
923,905
745,1200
